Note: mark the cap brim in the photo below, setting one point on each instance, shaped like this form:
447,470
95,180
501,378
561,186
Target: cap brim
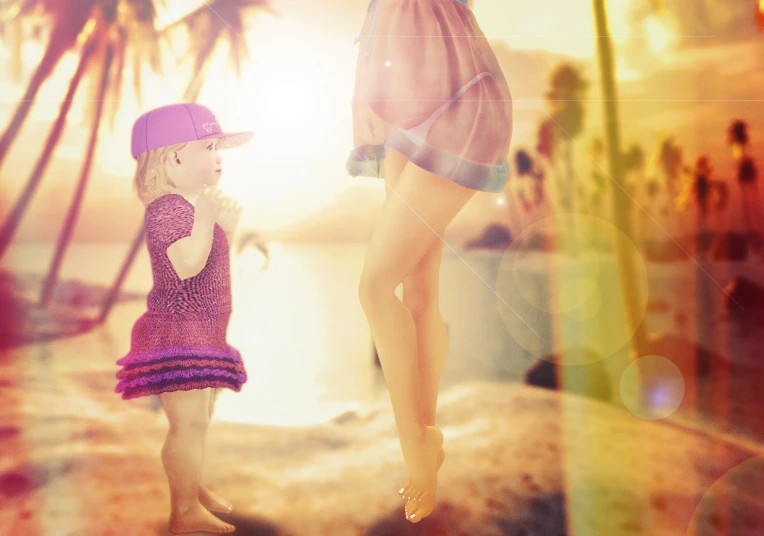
227,141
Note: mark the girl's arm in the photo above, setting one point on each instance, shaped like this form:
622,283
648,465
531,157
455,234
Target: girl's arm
189,255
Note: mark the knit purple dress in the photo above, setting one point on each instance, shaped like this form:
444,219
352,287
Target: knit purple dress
179,344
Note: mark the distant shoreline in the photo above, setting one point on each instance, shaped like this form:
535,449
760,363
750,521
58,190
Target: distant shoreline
73,309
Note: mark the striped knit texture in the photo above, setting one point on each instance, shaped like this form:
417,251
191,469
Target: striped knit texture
180,342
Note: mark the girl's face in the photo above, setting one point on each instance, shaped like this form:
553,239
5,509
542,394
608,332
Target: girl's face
199,165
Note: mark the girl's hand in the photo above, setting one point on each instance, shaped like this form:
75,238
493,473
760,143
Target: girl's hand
229,215
209,204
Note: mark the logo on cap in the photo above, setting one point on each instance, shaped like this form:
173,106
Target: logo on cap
211,127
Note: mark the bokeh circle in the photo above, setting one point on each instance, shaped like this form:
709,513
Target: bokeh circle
652,387
559,289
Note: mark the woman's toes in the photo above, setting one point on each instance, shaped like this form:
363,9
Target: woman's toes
411,509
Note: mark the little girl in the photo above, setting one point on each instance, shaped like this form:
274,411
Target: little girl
178,347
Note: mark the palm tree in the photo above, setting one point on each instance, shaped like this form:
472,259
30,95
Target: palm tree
54,135
69,18
215,23
12,31
221,20
615,157
634,182
668,163
738,139
136,30
564,96
71,217
111,296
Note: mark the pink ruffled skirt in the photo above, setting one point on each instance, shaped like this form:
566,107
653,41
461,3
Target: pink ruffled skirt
429,86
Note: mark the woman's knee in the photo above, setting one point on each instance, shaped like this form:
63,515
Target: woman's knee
372,287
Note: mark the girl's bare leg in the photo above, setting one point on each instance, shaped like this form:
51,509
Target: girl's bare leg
188,415
212,501
413,218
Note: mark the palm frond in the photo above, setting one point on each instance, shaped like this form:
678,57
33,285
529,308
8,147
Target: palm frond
142,39
737,134
215,23
114,89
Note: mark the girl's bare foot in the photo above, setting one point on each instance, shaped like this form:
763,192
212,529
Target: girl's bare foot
404,491
197,519
214,502
422,464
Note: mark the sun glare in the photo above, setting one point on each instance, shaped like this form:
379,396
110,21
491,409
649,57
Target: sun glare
660,36
294,93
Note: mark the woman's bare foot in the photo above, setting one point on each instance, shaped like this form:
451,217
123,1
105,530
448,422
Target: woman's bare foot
418,509
214,502
404,491
421,460
197,519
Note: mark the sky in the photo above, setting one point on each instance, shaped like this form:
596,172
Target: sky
674,75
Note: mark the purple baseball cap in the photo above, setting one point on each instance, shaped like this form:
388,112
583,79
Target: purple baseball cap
181,123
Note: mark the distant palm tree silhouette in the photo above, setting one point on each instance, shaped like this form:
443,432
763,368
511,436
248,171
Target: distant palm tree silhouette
566,121
702,189
528,170
747,174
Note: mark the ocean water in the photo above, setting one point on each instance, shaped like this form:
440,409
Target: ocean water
308,349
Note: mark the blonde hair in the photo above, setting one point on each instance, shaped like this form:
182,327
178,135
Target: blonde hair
151,178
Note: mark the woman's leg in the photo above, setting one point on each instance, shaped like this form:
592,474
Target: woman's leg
421,297
421,290
188,415
413,218
212,501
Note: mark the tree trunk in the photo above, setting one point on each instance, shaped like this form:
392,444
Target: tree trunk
14,218
74,209
620,201
49,61
111,297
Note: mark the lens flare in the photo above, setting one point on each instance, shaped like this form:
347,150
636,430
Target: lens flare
652,387
562,278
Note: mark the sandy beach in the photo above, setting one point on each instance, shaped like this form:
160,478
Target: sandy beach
75,459
520,460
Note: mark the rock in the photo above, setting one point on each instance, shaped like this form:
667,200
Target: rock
589,380
494,236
